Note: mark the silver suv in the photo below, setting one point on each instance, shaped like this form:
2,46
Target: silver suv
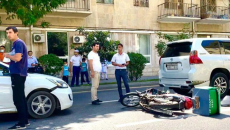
196,62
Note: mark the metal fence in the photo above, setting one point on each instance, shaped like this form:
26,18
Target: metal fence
78,5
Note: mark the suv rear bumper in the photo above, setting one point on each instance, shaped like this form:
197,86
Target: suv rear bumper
181,83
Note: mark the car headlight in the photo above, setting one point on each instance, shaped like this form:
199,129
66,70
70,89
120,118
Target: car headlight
60,84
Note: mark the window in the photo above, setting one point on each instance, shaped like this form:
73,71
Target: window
211,46
105,1
177,49
57,43
141,3
143,46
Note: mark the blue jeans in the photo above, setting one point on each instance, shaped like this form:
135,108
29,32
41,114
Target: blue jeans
86,75
76,74
122,73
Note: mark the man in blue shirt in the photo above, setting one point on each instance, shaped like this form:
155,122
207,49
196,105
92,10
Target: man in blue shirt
18,71
32,62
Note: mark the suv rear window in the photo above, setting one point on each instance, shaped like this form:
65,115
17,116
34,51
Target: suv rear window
178,49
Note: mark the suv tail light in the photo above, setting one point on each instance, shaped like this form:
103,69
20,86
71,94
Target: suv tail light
160,60
194,59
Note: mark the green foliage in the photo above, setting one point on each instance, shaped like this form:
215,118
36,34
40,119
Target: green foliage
161,45
81,30
136,65
29,11
107,47
45,24
51,64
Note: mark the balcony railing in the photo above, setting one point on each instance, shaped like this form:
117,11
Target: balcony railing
216,12
141,3
178,10
77,5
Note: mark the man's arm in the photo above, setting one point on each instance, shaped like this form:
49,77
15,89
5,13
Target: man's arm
36,61
17,57
91,65
127,60
70,66
91,68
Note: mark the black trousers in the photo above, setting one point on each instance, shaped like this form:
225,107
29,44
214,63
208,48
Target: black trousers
18,87
66,79
122,74
31,70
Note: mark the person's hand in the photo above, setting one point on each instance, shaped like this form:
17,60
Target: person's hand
6,55
121,65
92,74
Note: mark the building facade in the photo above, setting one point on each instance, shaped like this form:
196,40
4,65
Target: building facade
133,22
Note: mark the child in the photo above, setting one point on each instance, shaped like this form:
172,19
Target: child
84,71
104,70
65,72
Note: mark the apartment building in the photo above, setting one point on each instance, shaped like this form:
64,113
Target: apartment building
133,22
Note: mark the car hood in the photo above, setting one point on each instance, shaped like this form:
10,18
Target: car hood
43,76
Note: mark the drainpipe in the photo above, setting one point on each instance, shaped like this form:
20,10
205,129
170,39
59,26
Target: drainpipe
193,29
31,38
31,33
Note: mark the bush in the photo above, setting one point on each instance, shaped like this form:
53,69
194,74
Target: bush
51,64
136,66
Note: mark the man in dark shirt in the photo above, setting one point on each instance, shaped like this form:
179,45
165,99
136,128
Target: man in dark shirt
18,71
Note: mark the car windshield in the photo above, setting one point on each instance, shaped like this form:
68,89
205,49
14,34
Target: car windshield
177,49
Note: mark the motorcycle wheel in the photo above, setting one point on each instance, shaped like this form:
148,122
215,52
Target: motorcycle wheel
130,100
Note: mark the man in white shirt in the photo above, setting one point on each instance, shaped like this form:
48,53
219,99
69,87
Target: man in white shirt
95,69
75,66
121,60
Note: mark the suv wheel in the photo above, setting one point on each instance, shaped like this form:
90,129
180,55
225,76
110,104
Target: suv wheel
41,104
220,79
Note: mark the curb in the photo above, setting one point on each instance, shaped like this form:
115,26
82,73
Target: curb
110,86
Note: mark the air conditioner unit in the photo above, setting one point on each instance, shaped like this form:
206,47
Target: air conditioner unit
78,39
39,37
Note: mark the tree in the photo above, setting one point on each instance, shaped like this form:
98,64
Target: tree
161,45
29,11
107,47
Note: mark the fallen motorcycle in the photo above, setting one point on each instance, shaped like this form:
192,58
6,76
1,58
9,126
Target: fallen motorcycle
153,100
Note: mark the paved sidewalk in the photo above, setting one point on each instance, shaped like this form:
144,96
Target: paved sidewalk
114,85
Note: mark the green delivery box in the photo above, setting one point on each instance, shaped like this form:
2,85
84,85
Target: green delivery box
206,101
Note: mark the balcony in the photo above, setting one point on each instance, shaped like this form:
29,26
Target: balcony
73,8
214,14
178,12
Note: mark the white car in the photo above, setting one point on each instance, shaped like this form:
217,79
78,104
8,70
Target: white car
44,94
196,62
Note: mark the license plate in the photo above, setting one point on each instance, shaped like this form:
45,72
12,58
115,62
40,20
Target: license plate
172,66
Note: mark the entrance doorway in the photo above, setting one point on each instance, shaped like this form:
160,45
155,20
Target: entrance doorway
58,44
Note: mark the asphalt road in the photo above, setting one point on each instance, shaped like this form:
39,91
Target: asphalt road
111,115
